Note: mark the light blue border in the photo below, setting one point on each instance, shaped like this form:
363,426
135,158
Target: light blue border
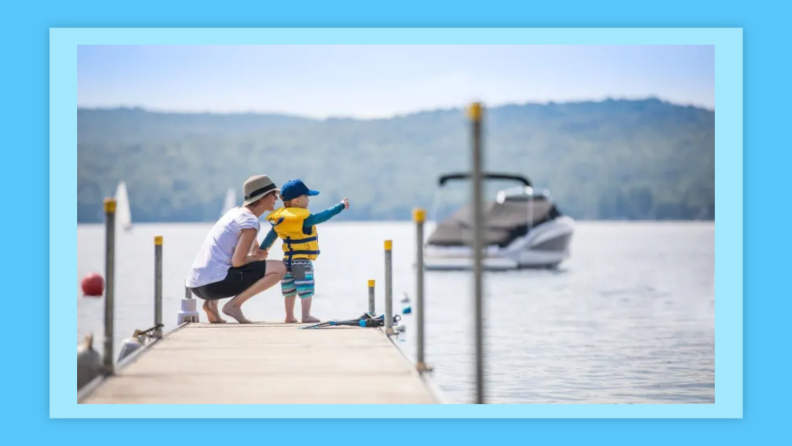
728,234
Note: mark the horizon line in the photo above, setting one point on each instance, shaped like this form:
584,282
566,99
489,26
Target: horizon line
394,115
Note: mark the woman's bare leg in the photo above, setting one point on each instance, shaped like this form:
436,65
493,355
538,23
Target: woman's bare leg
275,272
212,313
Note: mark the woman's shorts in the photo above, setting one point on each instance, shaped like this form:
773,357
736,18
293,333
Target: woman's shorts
236,281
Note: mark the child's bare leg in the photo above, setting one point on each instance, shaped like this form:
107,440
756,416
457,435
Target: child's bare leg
289,304
305,303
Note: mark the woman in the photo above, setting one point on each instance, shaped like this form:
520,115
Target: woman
230,262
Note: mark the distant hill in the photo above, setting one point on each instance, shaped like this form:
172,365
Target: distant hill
613,159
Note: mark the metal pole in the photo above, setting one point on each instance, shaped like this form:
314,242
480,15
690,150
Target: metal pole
109,208
158,286
187,292
476,112
371,296
388,287
419,216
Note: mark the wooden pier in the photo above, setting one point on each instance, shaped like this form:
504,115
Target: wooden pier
275,363
266,363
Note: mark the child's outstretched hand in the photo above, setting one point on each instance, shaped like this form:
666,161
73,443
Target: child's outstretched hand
345,201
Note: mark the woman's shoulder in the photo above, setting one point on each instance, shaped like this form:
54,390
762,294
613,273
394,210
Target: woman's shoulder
246,219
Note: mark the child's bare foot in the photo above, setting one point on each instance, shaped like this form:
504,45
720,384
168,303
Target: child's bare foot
291,320
307,319
210,307
235,312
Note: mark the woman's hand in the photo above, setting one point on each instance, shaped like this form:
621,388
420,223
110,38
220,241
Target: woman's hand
345,201
259,254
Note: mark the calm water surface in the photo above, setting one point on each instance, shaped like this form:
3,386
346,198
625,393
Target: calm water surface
629,318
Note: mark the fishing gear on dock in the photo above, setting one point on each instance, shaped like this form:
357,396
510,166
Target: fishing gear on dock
367,320
149,332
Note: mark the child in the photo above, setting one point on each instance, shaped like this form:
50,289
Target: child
297,227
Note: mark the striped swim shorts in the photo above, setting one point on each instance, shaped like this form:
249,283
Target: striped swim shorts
299,279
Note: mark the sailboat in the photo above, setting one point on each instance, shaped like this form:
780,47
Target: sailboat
123,214
230,201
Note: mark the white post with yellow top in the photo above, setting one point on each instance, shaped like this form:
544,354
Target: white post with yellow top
419,216
371,297
158,286
388,288
476,111
110,209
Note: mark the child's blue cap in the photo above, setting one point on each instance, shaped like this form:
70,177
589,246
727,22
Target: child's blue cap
296,188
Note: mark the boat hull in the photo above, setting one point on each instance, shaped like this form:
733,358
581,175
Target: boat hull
545,246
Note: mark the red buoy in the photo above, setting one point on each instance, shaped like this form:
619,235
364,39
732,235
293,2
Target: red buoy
93,285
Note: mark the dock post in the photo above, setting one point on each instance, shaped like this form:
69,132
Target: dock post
371,296
158,286
110,209
419,216
389,287
188,311
476,112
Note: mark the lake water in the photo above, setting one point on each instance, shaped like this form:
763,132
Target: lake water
629,318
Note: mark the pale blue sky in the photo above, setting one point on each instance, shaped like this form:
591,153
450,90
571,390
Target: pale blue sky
381,81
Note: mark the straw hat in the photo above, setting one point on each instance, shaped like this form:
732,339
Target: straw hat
256,187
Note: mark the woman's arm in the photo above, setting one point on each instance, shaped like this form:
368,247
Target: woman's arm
243,248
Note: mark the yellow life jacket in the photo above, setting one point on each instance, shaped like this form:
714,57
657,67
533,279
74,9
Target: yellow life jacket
288,224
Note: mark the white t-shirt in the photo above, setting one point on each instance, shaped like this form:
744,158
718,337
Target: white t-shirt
214,258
